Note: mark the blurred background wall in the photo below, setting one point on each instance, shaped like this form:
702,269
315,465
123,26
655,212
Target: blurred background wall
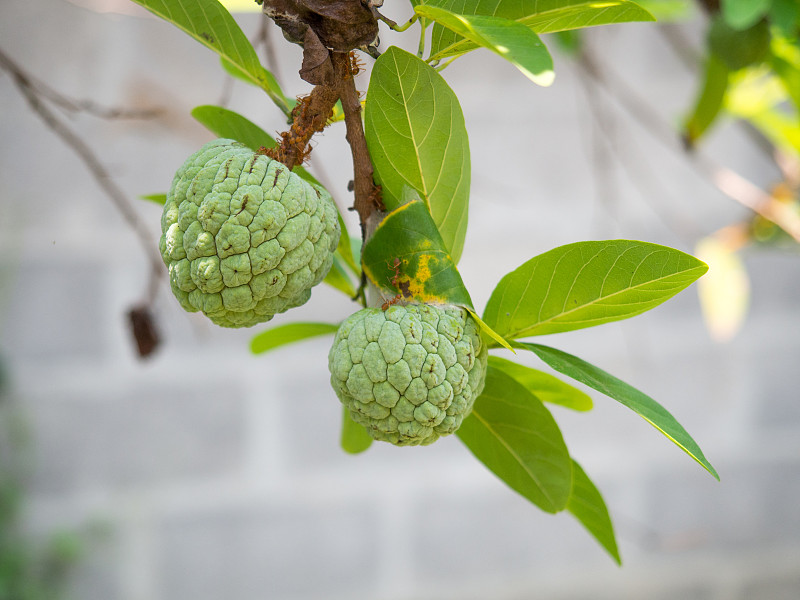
206,472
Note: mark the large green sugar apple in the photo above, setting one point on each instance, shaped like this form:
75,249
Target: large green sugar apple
409,374
243,237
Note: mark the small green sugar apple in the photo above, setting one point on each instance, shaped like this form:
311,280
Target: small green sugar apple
409,374
243,237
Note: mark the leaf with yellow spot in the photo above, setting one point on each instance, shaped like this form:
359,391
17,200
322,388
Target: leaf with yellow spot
406,255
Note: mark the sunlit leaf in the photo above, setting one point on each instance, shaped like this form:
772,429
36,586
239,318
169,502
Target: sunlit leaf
514,435
786,64
542,16
725,291
406,256
544,386
666,11
587,505
241,5
488,331
417,138
287,334
642,404
586,284
511,40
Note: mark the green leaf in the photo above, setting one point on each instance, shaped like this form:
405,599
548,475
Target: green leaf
355,438
543,385
511,40
157,198
665,11
741,14
586,504
785,16
738,49
212,25
345,248
228,124
709,102
489,331
586,284
417,138
338,279
287,334
406,255
542,16
642,404
516,437
786,64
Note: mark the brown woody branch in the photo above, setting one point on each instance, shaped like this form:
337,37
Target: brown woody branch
367,194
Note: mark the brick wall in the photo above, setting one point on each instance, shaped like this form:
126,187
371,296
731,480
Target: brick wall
216,474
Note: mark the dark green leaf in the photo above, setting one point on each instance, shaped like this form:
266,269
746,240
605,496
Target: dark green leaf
355,438
738,49
514,435
209,23
784,15
417,138
157,198
406,256
542,16
709,102
642,404
586,284
511,40
543,385
586,504
287,334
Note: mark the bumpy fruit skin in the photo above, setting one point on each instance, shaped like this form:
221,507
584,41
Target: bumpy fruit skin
243,237
409,374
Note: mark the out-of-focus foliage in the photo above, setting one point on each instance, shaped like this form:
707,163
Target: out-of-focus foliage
28,570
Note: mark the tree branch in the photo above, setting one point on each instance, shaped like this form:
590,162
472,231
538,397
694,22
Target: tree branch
367,194
24,84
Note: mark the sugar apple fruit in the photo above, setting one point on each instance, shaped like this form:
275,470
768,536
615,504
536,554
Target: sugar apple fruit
243,237
409,374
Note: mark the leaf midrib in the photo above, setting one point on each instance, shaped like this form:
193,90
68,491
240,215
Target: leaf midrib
523,332
424,191
516,456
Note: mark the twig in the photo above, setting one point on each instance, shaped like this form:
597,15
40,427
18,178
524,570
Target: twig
729,183
367,194
309,116
605,123
93,164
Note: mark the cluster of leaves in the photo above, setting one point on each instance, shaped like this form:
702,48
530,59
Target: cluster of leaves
419,148
751,72
28,570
